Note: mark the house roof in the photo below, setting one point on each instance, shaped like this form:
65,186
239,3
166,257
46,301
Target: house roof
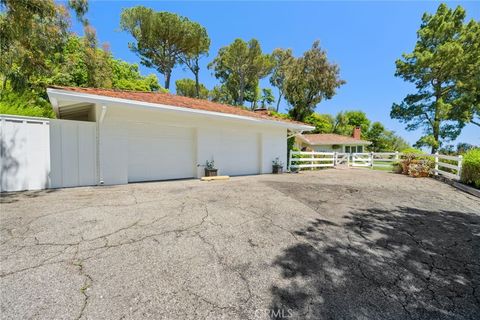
178,101
330,139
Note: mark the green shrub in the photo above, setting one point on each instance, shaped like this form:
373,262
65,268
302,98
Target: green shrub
411,151
25,104
471,168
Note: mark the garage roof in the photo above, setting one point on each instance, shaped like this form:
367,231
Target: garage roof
330,139
167,99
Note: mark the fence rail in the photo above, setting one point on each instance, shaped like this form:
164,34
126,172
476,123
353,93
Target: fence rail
311,160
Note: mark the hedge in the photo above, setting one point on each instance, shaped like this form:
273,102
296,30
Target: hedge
471,168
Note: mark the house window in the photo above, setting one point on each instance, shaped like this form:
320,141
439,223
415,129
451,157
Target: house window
353,149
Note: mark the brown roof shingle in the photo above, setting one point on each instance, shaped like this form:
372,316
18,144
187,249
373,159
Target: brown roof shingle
330,138
176,101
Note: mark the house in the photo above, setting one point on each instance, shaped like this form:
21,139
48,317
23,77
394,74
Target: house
330,142
111,137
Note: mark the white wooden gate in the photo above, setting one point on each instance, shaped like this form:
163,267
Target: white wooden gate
39,153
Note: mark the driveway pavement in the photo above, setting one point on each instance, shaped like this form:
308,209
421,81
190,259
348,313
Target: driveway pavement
334,244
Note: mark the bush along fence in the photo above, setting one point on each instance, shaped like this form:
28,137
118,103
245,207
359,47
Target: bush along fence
412,164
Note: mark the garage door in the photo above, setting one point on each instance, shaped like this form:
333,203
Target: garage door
159,152
240,153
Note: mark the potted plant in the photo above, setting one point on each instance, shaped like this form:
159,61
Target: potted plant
277,166
210,170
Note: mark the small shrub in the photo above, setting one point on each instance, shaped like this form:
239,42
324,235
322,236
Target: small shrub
420,168
415,164
471,168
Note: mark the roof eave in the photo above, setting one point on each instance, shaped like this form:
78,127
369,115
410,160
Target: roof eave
58,94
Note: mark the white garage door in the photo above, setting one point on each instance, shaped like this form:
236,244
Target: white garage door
159,152
240,154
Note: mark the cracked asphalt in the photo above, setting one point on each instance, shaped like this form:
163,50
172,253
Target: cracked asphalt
330,244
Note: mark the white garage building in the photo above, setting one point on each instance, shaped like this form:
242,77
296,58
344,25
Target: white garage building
115,137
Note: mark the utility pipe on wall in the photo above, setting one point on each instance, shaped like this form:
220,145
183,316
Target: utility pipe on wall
103,112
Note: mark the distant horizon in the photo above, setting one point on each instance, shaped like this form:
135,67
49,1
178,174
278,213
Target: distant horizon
363,38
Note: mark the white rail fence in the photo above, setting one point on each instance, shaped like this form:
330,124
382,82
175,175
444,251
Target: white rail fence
456,167
311,160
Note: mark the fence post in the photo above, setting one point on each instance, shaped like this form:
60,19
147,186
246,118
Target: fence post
371,160
396,155
311,168
335,159
459,170
436,163
290,160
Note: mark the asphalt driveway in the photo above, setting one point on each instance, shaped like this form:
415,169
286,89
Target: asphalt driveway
334,244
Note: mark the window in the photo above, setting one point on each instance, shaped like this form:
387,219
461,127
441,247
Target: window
353,149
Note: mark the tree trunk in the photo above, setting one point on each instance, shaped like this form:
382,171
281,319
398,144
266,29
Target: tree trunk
167,79
436,121
241,94
279,98
197,85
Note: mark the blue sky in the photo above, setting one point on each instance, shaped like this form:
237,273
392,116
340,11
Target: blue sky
364,38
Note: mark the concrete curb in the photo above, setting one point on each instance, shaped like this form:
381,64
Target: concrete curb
460,186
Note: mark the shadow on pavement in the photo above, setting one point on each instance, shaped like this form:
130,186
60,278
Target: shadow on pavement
383,264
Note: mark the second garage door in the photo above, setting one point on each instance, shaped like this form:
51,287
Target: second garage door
240,153
160,152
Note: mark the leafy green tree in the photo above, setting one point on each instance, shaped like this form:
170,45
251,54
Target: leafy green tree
323,122
198,46
160,37
267,97
346,121
442,66
310,79
30,32
221,94
282,58
395,142
188,88
73,67
241,65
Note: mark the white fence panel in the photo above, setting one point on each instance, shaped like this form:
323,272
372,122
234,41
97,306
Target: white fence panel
456,167
24,153
73,153
311,159
373,159
39,153
361,159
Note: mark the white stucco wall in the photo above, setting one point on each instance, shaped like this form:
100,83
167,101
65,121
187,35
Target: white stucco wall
236,147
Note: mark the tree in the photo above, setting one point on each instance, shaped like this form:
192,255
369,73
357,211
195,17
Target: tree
282,58
442,68
323,122
198,46
221,94
346,121
467,108
188,88
267,97
160,37
240,65
31,31
310,79
73,67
